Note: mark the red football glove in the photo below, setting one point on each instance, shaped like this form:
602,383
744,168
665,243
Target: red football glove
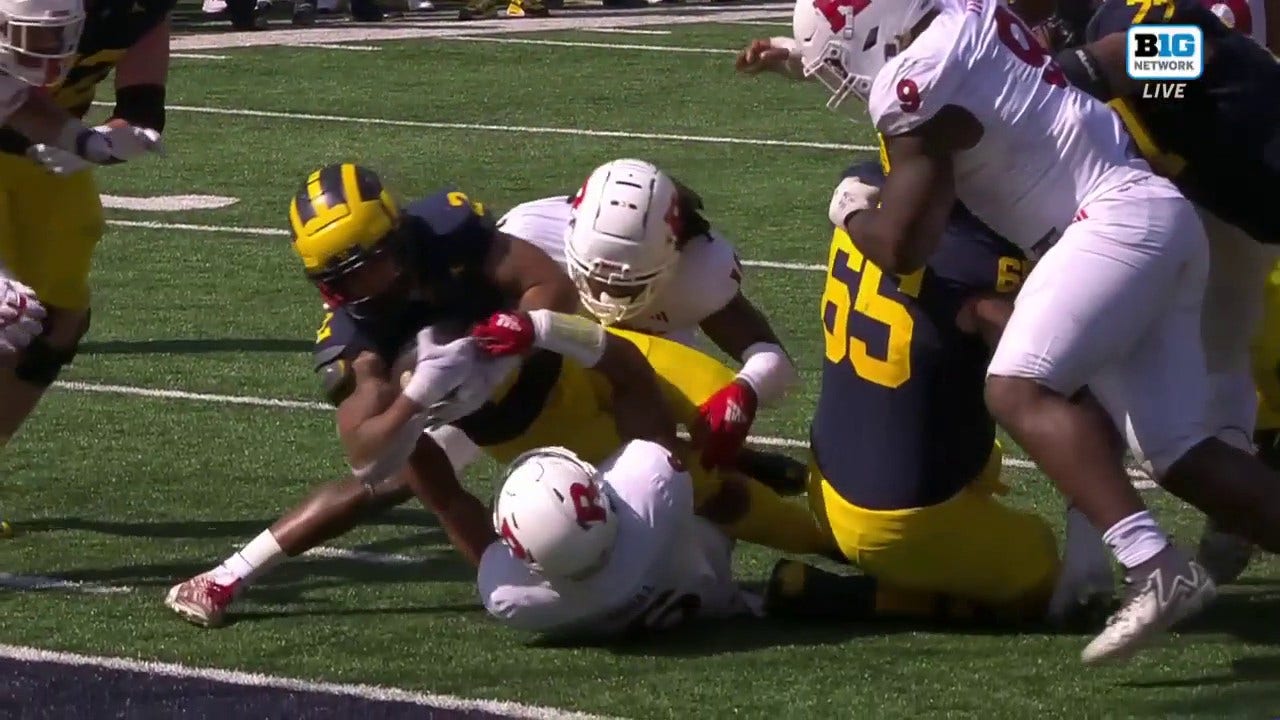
505,333
725,419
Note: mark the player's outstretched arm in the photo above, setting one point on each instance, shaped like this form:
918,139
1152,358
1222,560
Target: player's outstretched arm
902,231
529,276
638,406
777,54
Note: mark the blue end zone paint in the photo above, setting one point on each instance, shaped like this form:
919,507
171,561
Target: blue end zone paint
37,689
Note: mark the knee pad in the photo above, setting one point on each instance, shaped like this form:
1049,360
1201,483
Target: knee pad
41,362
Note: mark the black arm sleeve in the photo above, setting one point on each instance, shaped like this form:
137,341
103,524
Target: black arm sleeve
1083,70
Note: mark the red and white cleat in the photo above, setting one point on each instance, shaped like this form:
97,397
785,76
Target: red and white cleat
202,600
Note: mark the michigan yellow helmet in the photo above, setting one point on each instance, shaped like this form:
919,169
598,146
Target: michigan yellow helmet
341,217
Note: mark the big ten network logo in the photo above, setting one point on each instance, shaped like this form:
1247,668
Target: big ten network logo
1164,57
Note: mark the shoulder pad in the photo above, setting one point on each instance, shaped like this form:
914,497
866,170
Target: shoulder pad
336,379
451,212
912,88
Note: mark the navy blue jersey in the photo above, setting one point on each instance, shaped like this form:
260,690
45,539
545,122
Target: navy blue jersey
1220,142
448,238
901,421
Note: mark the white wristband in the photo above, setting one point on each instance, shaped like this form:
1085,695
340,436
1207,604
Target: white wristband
572,336
768,371
784,42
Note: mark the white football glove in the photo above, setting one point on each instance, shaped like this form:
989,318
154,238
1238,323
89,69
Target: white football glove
851,196
122,143
56,160
79,147
452,380
21,316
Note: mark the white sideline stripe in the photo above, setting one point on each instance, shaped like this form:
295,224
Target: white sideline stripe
334,46
40,582
606,46
376,558
277,232
624,134
197,56
247,679
754,23
764,440
626,31
413,30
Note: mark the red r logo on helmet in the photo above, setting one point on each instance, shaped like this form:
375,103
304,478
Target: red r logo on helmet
672,218
840,12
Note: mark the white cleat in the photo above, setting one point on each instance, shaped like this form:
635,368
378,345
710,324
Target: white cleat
1224,555
202,600
1087,581
1164,590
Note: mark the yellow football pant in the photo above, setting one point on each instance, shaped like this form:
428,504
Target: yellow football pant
578,415
971,546
49,227
1266,357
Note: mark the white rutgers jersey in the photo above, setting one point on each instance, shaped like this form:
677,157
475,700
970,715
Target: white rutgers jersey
707,277
13,93
1046,149
667,564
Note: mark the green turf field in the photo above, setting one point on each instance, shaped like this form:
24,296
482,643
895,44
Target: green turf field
132,490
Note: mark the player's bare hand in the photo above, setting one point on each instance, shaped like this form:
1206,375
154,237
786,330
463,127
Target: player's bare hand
762,54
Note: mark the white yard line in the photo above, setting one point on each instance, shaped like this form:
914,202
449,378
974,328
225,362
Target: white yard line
605,46
626,31
448,703
334,46
39,582
508,129
196,56
414,30
277,232
254,401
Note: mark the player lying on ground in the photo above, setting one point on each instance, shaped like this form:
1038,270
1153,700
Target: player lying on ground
643,258
387,275
43,271
969,105
600,551
904,468
1219,141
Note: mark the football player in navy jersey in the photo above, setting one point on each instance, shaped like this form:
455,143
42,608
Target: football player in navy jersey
386,274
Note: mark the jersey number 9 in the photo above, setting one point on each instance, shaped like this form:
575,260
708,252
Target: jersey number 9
853,302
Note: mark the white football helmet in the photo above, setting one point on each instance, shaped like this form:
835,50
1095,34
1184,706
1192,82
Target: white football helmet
621,243
39,38
845,43
554,514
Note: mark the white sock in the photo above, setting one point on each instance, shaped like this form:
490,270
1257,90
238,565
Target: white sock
260,554
1135,539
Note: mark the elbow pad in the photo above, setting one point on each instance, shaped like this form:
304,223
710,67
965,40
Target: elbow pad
1085,72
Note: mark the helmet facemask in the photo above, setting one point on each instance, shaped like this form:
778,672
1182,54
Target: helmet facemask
368,282
611,291
37,46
